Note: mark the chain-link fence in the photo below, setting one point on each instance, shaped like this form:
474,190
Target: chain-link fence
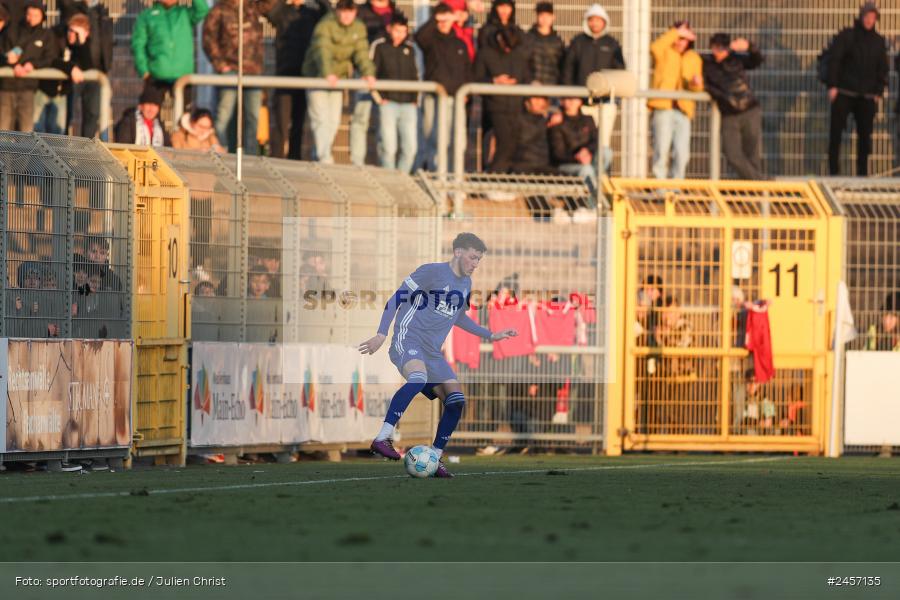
66,240
545,274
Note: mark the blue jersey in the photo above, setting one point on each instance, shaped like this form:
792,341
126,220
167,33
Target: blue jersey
430,301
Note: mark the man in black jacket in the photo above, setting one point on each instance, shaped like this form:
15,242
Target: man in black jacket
857,77
395,58
592,51
547,48
88,46
97,54
502,15
27,46
504,61
294,22
532,154
573,142
447,63
725,78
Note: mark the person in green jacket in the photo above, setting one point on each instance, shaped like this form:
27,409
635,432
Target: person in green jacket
163,42
339,45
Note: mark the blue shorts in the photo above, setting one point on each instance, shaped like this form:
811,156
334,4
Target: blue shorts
436,367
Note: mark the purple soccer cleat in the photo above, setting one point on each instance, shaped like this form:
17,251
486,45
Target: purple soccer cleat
385,448
443,472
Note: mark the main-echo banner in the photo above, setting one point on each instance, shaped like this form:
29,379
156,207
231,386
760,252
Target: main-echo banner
245,393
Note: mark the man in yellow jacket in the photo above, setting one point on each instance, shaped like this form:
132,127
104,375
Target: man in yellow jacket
676,66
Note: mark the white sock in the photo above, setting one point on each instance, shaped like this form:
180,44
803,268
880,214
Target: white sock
387,431
438,451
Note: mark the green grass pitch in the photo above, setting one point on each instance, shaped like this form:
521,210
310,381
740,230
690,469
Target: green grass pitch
537,508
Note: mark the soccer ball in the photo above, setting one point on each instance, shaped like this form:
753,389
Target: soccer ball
421,461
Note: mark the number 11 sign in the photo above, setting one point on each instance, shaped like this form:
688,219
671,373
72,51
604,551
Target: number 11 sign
788,281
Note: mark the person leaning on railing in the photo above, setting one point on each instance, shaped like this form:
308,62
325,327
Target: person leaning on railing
339,46
92,50
395,58
676,67
26,46
725,77
447,63
590,51
50,100
221,47
376,16
163,42
294,22
503,61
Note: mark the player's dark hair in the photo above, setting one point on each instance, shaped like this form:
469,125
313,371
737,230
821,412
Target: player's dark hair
464,241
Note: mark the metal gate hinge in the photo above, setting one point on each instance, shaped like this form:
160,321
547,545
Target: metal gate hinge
626,233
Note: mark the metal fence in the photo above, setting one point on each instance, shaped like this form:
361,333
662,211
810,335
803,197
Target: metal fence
547,246
461,133
871,209
311,83
66,239
692,255
871,270
218,237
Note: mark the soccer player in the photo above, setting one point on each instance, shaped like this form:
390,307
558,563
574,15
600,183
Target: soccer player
427,306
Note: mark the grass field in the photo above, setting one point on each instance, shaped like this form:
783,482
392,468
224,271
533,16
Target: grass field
538,508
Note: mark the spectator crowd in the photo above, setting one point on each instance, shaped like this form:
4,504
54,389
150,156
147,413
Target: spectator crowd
374,41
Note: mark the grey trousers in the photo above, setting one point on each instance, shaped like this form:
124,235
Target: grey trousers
742,143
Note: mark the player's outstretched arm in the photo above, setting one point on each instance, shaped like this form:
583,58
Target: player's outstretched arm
502,335
466,323
371,345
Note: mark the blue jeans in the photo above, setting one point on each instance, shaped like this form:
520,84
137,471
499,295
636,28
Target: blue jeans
671,132
226,115
359,128
582,171
49,113
324,108
430,130
398,119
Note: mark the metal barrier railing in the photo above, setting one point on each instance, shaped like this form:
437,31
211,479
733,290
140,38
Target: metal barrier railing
317,83
561,91
91,75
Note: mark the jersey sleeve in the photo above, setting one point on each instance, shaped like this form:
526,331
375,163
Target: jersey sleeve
422,278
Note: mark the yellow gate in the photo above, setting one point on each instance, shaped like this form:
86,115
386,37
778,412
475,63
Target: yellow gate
161,304
694,260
